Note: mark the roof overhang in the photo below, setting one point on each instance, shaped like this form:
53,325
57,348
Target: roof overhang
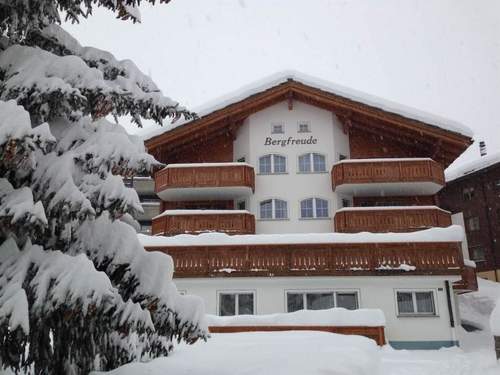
441,140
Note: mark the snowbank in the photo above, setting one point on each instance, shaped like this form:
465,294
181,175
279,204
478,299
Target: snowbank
454,233
495,319
339,317
477,307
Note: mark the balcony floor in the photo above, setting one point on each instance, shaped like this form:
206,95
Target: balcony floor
389,189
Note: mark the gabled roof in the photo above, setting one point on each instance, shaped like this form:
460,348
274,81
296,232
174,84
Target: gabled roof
352,107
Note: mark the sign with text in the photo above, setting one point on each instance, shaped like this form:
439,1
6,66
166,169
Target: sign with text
290,141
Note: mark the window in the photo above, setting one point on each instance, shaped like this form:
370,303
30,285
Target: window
277,129
472,223
314,208
273,209
304,127
241,205
236,303
468,193
415,303
477,253
312,162
270,164
321,300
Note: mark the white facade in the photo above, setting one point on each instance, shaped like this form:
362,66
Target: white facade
325,137
373,292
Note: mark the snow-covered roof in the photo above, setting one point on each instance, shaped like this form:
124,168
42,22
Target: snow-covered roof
284,76
462,170
454,233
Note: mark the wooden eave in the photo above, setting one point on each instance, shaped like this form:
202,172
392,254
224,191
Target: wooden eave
448,145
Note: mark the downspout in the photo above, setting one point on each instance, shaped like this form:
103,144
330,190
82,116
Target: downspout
450,311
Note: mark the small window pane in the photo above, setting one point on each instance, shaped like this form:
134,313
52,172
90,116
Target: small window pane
347,300
281,209
245,304
227,304
305,163
277,129
321,208
306,208
405,303
265,164
425,302
304,127
279,164
294,301
319,301
266,210
319,163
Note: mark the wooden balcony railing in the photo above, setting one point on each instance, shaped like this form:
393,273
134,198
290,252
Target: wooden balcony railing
390,219
468,282
210,175
366,171
444,258
237,222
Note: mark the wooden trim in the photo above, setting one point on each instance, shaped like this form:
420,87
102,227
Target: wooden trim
381,171
374,333
334,259
234,223
390,220
199,177
468,282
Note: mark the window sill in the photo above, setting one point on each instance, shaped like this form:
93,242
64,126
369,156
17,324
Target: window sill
321,172
271,174
315,218
285,219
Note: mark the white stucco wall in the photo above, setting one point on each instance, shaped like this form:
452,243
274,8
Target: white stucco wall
292,186
373,292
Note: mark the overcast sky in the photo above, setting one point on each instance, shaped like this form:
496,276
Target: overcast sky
440,56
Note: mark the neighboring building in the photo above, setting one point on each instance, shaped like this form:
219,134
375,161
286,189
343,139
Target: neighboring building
473,189
290,171
145,187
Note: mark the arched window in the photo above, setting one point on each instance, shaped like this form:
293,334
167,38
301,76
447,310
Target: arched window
314,208
312,162
272,164
273,209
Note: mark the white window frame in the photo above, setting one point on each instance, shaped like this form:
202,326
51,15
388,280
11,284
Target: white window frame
308,123
273,210
236,307
272,155
311,161
413,291
315,213
278,124
304,293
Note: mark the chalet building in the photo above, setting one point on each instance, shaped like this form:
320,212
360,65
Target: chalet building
281,196
473,190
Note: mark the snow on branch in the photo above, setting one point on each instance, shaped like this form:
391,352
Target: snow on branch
146,277
142,99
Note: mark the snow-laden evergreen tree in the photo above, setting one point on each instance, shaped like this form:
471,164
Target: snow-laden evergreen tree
77,290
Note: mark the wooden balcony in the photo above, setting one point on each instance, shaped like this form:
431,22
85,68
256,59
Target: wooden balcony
390,219
174,222
468,282
388,177
205,181
334,259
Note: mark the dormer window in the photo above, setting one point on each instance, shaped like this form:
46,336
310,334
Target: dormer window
277,129
304,127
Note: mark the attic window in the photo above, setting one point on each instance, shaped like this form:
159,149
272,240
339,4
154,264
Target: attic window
277,129
304,127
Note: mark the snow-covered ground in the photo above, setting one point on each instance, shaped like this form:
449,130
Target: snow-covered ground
326,353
